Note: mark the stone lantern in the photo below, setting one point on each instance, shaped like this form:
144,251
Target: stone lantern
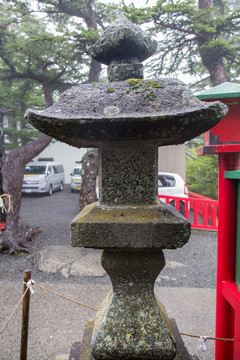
127,119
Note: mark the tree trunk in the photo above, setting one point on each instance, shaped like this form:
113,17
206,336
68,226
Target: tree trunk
90,172
212,58
13,238
94,72
215,66
13,172
90,160
217,72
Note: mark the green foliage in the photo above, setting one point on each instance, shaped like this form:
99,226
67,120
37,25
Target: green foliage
201,171
44,51
137,15
37,57
16,97
194,39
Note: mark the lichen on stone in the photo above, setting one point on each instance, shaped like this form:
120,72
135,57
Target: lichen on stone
150,96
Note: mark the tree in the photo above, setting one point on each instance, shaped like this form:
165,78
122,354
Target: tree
86,16
16,97
201,171
32,56
194,36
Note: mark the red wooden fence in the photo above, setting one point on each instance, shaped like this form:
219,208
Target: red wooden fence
201,211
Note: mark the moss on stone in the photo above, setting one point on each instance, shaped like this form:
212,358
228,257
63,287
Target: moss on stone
145,86
150,96
135,83
110,90
155,84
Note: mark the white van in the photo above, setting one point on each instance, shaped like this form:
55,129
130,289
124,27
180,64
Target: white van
76,178
43,177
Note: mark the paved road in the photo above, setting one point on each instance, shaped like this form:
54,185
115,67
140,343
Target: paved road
186,286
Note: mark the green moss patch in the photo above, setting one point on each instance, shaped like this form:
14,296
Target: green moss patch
110,90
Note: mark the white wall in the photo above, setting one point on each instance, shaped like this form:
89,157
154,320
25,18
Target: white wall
172,159
65,154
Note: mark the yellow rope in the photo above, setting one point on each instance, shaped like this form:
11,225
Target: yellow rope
207,338
89,307
15,309
64,297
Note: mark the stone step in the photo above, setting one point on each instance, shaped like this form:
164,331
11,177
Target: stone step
69,261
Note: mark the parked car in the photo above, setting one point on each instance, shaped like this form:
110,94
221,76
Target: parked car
76,178
173,185
43,177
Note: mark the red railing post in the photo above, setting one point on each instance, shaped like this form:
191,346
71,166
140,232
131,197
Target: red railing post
214,215
205,214
200,205
195,215
186,208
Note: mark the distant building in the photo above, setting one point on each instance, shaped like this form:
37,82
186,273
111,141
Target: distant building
63,153
170,158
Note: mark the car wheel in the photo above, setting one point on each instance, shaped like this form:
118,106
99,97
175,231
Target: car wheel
50,191
182,208
61,186
72,191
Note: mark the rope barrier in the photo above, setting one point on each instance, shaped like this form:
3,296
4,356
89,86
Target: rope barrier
89,307
30,283
208,337
15,309
64,297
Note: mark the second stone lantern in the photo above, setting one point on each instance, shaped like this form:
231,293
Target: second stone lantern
128,119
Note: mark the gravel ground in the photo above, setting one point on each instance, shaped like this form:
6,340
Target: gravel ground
194,265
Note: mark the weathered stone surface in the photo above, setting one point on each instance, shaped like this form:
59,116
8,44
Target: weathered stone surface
130,227
130,323
129,215
118,72
128,174
123,41
163,110
85,350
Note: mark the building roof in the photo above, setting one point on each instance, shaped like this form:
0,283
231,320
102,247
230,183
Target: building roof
222,91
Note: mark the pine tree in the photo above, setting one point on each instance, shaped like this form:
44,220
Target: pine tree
38,60
198,39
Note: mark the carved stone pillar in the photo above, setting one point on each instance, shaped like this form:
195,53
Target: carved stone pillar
127,119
